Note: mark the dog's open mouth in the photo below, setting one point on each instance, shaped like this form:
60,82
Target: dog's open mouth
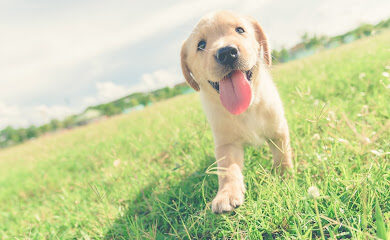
234,91
248,74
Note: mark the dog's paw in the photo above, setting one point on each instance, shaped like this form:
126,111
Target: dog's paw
228,198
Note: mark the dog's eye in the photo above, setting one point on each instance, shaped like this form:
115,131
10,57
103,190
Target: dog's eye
240,30
202,45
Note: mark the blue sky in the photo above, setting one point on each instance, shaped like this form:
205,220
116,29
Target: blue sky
58,57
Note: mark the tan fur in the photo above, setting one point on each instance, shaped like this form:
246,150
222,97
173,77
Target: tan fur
264,119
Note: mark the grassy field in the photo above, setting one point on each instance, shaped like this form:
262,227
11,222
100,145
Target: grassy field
149,174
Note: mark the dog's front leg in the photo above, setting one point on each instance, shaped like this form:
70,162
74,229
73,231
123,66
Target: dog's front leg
231,189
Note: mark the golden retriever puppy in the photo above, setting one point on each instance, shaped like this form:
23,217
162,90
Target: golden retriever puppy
227,59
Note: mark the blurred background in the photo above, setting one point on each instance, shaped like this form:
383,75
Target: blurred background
68,63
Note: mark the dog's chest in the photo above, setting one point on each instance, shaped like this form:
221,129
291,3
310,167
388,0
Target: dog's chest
248,127
252,127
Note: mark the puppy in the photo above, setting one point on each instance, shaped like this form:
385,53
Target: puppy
227,59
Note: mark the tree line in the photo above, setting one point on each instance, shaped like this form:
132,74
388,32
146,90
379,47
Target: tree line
314,41
10,136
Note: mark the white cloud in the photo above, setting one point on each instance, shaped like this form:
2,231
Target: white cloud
108,91
37,53
8,110
44,113
16,116
286,21
160,78
10,114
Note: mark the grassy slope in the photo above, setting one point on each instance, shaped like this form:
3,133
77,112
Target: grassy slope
66,185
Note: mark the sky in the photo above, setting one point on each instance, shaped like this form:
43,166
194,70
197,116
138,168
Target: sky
59,57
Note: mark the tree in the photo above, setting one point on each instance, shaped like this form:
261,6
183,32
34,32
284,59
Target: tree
69,121
110,110
275,55
133,102
305,38
55,124
284,55
32,132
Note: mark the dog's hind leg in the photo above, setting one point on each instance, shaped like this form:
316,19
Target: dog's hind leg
281,151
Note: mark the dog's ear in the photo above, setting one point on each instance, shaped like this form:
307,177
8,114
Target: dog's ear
186,71
262,40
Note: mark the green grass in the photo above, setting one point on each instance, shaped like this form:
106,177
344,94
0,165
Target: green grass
337,103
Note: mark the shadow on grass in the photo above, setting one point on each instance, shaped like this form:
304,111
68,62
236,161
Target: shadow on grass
171,209
177,211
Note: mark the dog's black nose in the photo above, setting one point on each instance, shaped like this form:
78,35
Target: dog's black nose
227,55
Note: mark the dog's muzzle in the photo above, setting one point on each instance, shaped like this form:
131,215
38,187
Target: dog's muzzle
215,85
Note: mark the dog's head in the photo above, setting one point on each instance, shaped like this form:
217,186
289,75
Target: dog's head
222,56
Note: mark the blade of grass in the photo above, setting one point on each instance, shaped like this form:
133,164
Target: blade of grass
380,224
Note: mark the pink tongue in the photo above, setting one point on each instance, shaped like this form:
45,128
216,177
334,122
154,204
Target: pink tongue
235,92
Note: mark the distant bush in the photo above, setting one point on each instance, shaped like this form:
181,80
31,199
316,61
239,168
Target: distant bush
309,43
